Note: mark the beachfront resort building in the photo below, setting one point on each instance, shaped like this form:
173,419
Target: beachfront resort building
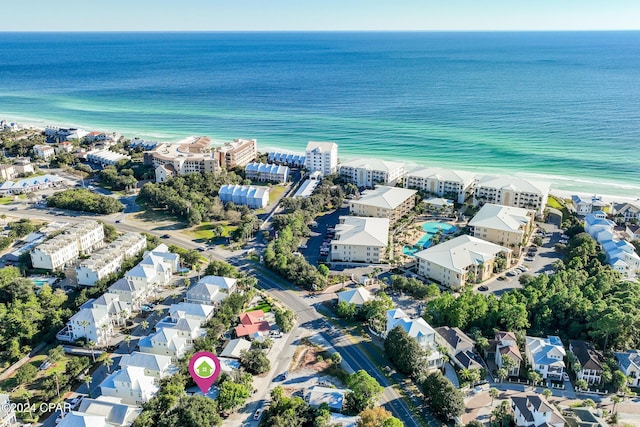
239,152
503,225
384,202
360,239
248,195
321,157
465,259
109,260
586,205
106,157
267,172
419,330
451,184
621,255
509,191
59,251
545,356
371,172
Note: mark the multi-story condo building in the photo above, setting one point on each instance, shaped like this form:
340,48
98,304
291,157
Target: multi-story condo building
239,152
503,225
253,197
266,172
515,192
106,157
465,259
451,184
591,361
371,172
321,157
384,202
360,240
109,260
80,239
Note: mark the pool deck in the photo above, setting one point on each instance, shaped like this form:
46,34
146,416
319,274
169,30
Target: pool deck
416,232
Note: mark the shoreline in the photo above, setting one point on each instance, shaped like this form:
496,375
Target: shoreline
563,186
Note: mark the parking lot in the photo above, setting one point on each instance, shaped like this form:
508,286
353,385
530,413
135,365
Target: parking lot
319,234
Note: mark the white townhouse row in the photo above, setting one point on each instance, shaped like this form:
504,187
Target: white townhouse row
419,330
291,159
621,255
509,191
248,195
267,172
106,157
321,157
28,185
451,184
109,260
57,252
44,152
371,172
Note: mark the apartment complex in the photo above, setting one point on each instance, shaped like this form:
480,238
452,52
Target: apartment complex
515,192
27,185
447,183
371,172
239,152
80,239
267,172
503,225
360,240
465,259
384,202
109,260
321,157
253,197
106,157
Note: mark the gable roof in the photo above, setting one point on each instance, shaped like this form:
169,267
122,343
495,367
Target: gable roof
440,174
221,282
514,184
528,403
504,218
457,339
235,347
251,317
362,231
113,411
79,419
629,359
587,355
541,347
461,252
152,362
357,296
372,164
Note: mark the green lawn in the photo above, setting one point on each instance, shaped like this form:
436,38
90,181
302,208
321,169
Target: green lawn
275,192
6,200
204,231
263,305
552,202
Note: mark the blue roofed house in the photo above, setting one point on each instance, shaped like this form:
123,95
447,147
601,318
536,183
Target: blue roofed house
545,355
419,330
629,364
620,254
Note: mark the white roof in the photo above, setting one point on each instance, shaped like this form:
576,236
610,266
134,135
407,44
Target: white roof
416,328
92,315
498,217
111,408
219,281
373,164
153,362
385,197
362,231
439,174
79,419
235,347
356,296
541,347
515,184
334,397
184,309
461,252
323,147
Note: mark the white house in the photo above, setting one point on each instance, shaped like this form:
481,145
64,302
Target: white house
211,290
333,397
131,385
155,269
628,211
459,347
7,412
591,361
44,151
447,183
154,365
235,347
118,310
533,410
321,157
80,239
506,346
620,254
629,364
133,293
586,205
360,240
267,172
357,296
115,412
187,310
371,172
93,324
167,342
80,419
545,355
186,327
419,330
251,196
509,191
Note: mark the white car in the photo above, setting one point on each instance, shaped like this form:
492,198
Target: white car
565,376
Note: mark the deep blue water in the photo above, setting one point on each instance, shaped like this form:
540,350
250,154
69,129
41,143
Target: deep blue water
560,105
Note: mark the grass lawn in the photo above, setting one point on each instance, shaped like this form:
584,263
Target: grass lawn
263,305
205,230
6,200
154,215
275,192
552,202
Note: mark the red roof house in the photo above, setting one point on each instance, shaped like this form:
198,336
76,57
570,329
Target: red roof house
252,322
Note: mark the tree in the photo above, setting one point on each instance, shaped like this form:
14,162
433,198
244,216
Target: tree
346,310
92,347
493,392
108,362
502,374
324,270
501,414
445,400
285,319
56,353
192,411
534,377
87,382
336,358
25,374
255,361
547,393
364,393
127,339
404,351
376,417
144,325
619,381
582,384
375,311
232,395
615,400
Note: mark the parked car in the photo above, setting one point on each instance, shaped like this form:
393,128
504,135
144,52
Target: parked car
303,246
258,414
565,376
166,236
529,259
483,288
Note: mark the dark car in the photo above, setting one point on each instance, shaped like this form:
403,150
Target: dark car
166,236
483,288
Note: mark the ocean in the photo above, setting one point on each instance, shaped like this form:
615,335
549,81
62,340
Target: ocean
557,106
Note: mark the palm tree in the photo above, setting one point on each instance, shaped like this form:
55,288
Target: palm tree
127,339
55,378
502,374
547,393
27,395
144,324
84,324
92,346
87,381
615,400
493,392
108,362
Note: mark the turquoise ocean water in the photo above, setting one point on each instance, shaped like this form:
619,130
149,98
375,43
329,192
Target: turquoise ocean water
557,106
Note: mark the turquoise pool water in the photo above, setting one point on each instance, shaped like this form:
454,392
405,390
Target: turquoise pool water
430,229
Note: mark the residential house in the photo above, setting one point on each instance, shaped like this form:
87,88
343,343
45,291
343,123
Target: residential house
464,259
506,346
459,347
133,293
267,172
155,269
92,324
533,410
503,225
334,398
392,203
620,254
357,296
598,226
80,419
584,417
248,195
294,160
515,192
628,211
447,183
167,342
57,252
629,364
360,239
23,166
234,348
586,205
591,361
44,152
7,172
131,385
211,290
186,327
419,330
119,311
115,412
321,157
545,355
252,324
7,412
154,365
371,172
633,232
187,310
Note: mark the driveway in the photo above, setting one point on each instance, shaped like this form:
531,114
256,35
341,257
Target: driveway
312,252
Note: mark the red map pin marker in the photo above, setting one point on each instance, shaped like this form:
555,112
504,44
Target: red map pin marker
204,368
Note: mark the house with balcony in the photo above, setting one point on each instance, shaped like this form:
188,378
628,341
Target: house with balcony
546,356
508,191
131,385
63,249
629,364
287,158
109,260
115,413
384,202
321,157
119,311
591,361
166,342
533,410
459,347
187,310
92,324
155,269
586,205
503,225
628,211
154,365
419,330
505,346
133,293
451,184
211,290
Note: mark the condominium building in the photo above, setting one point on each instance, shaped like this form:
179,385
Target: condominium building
321,157
253,197
106,157
465,259
384,202
80,239
266,172
512,192
371,172
294,160
109,260
239,152
503,225
447,183
360,240
19,167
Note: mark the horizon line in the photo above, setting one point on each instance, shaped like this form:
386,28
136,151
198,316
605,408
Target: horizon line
326,31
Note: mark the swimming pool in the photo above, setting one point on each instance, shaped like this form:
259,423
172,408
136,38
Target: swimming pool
430,229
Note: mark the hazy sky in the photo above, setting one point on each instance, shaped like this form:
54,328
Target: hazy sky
249,15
